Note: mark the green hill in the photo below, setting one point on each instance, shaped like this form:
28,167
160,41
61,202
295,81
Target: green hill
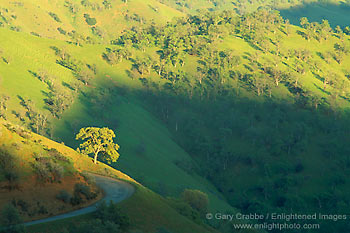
76,21
28,151
222,103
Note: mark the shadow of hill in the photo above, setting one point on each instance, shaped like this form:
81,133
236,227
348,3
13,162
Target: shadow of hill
336,14
275,140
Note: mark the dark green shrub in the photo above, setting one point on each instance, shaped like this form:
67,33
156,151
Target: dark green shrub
57,155
21,203
97,31
7,161
112,213
69,63
42,172
90,21
57,172
42,210
35,34
64,196
107,4
12,178
10,215
16,29
62,31
85,190
55,17
76,200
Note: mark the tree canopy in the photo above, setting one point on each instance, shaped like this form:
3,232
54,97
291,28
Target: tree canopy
98,141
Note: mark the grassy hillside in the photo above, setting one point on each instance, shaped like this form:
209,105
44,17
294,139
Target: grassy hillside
205,102
70,20
33,173
134,126
24,147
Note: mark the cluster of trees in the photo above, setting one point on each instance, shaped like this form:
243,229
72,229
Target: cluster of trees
198,36
321,32
37,121
58,98
3,105
227,135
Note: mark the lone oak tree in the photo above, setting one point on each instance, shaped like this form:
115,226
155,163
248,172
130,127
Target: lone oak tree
98,140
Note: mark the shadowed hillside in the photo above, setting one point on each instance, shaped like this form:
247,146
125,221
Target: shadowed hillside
335,13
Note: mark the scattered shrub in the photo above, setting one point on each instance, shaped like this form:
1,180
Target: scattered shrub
16,29
76,200
42,172
47,169
42,210
55,17
112,213
97,31
21,203
62,31
58,155
64,196
35,34
10,215
57,172
85,190
90,21
107,4
88,178
7,161
70,63
12,178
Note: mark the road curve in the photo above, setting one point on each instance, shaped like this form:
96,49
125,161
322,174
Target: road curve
114,190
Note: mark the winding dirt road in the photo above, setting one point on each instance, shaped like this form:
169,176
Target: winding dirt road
114,190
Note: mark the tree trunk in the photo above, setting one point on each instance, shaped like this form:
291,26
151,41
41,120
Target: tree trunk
95,158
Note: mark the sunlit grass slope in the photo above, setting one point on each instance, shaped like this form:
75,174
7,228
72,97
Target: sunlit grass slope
23,155
55,18
134,126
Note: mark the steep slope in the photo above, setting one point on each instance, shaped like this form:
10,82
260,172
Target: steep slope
22,145
176,76
89,20
33,174
137,128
